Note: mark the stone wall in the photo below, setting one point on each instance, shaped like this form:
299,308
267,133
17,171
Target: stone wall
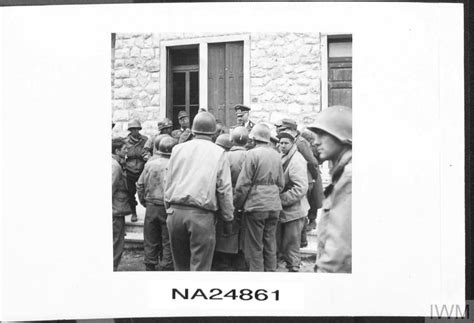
285,72
285,77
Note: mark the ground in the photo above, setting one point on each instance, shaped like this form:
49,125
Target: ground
132,260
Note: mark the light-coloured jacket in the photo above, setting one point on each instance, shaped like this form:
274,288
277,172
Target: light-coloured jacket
199,175
260,181
293,198
236,156
150,185
334,233
120,205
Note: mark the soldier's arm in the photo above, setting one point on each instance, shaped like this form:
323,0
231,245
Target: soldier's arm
224,189
244,182
299,179
141,186
313,167
116,175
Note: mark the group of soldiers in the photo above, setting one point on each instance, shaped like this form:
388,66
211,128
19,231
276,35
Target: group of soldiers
236,199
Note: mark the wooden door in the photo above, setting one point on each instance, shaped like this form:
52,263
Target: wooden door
225,79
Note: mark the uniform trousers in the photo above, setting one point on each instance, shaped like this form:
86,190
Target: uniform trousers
289,237
193,237
156,237
132,179
260,240
118,224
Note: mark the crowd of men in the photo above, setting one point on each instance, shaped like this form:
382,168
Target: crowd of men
236,199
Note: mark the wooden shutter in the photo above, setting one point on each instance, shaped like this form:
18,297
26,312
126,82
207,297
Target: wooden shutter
340,73
225,79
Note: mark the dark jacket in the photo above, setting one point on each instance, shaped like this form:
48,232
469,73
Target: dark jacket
335,224
135,160
120,205
150,185
260,181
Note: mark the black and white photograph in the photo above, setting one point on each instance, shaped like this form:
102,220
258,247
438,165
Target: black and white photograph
234,188
232,152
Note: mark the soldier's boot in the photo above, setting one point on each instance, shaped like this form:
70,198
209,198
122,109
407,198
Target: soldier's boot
150,267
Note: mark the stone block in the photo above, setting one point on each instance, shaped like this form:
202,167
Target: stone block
130,63
277,116
300,69
122,53
157,53
293,59
155,76
142,95
121,115
294,109
256,91
153,88
302,90
315,86
139,42
152,65
118,83
135,52
123,93
312,74
257,53
310,59
155,101
148,43
122,73
264,44
279,41
147,53
302,81
134,72
267,63
143,79
156,39
119,63
257,72
276,73
292,90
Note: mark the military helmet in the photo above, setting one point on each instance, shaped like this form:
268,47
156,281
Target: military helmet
204,124
166,145
158,139
165,123
239,135
224,141
260,132
335,120
134,124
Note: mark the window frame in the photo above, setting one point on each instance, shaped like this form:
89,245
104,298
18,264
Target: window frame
202,43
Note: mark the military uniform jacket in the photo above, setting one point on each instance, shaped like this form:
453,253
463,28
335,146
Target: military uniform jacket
314,174
135,157
334,228
120,205
236,156
150,185
260,181
293,198
199,175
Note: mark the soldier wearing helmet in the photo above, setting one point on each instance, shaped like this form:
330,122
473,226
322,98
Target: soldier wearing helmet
223,141
135,162
198,185
257,194
183,119
165,127
150,189
333,128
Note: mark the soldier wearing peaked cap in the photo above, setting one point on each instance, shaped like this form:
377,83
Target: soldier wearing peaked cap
183,119
242,113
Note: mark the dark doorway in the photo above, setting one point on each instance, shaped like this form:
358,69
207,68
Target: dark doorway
182,82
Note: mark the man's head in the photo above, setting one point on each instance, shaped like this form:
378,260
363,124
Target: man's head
242,113
134,127
183,119
288,125
119,147
239,136
166,146
260,133
165,126
287,141
158,139
333,129
204,124
224,141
